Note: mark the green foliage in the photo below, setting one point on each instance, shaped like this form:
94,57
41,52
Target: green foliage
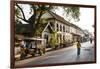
17,12
53,41
72,13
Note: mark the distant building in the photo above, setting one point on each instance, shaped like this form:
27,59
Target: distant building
87,35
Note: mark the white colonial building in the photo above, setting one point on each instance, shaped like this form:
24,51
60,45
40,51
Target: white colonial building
65,31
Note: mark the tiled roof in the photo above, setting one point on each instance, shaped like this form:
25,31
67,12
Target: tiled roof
59,18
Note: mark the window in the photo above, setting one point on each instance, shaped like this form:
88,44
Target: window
52,24
63,28
60,28
67,29
63,38
57,27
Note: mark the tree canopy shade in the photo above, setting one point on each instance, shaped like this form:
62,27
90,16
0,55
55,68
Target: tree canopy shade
37,11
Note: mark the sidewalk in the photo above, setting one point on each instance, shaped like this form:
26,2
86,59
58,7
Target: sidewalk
17,57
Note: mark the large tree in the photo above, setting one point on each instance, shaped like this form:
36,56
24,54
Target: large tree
36,10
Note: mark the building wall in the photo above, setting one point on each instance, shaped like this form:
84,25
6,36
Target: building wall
64,31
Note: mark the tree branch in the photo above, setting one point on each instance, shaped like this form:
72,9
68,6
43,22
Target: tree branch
22,19
41,13
21,11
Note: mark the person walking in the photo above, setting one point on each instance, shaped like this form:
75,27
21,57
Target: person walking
78,48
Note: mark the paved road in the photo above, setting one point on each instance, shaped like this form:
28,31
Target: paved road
65,55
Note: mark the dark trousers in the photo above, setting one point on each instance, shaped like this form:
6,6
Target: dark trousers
78,51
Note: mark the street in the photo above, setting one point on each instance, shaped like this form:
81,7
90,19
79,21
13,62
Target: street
64,55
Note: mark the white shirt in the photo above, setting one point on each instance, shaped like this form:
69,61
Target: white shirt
23,43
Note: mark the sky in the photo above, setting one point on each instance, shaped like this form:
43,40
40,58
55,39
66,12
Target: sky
86,17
